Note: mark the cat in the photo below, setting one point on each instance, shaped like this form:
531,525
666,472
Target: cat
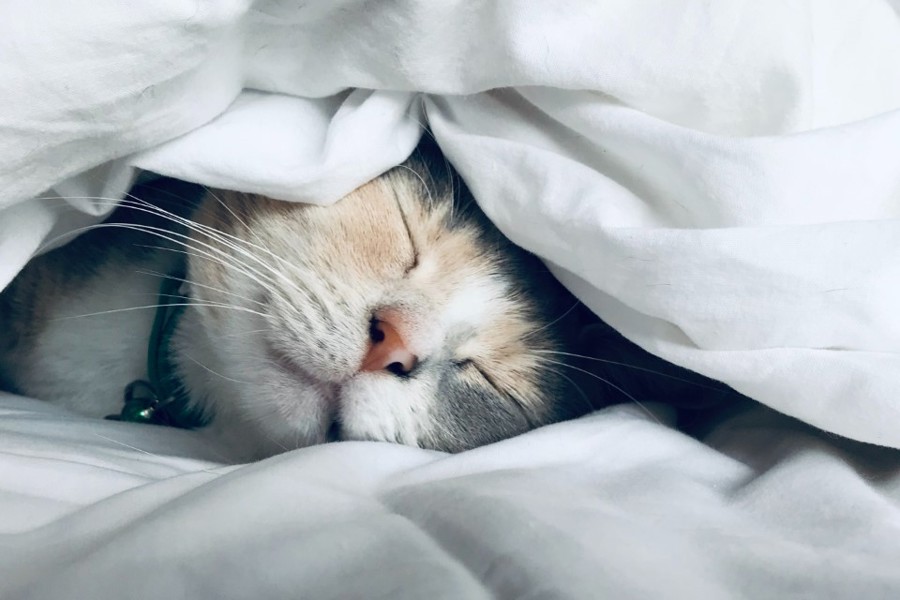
398,314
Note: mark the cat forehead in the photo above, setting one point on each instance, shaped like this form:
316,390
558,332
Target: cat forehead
366,237
466,274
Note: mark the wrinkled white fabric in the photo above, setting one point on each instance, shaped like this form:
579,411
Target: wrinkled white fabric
718,180
614,505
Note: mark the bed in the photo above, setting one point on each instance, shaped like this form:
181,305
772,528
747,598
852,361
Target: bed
718,181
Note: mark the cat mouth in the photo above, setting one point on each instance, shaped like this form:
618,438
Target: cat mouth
334,433
329,392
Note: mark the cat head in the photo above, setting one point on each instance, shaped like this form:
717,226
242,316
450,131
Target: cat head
400,313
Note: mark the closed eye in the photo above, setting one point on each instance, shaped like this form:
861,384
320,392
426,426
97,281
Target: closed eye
468,363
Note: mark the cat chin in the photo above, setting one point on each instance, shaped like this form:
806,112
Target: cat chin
382,408
261,420
279,413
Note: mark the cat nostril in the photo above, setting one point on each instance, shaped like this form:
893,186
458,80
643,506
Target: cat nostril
387,351
397,369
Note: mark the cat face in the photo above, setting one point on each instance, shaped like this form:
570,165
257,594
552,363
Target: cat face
398,314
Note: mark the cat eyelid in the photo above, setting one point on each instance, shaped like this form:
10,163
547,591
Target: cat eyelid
468,362
486,377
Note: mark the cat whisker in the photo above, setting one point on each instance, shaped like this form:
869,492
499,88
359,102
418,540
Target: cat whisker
263,418
448,169
554,321
197,284
298,439
452,181
206,231
225,239
242,333
316,288
421,179
610,384
213,254
155,306
637,368
216,373
270,287
584,396
230,241
142,451
425,130
221,202
243,223
166,235
276,442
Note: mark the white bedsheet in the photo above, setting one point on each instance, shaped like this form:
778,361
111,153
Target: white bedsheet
614,505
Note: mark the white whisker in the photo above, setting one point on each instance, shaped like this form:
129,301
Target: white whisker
610,384
136,449
554,321
197,284
636,368
584,395
155,306
216,373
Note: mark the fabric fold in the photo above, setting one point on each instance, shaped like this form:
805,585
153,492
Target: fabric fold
717,180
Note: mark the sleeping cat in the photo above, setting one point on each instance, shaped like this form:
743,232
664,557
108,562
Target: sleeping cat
398,314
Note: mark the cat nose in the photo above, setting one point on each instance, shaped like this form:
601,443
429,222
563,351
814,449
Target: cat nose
387,350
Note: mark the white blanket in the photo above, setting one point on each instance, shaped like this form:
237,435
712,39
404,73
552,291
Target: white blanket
718,180
614,505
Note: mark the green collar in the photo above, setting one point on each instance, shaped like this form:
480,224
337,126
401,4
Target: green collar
161,398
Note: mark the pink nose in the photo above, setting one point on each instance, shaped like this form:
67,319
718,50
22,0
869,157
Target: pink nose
387,351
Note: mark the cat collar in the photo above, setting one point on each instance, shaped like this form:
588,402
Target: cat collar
160,399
